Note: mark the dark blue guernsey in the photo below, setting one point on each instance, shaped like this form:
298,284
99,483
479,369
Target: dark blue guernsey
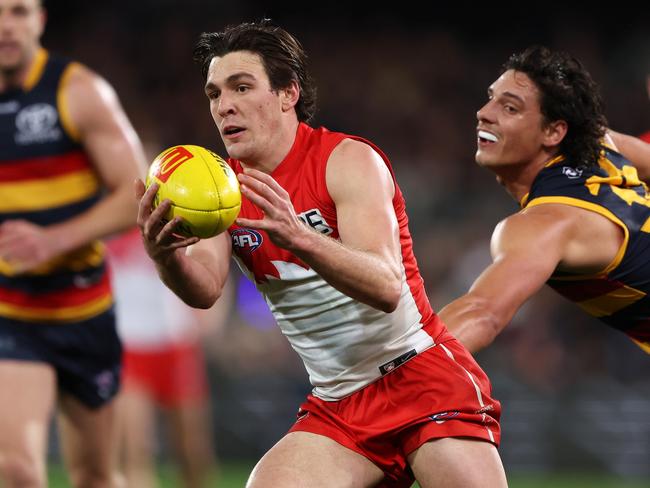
618,295
46,178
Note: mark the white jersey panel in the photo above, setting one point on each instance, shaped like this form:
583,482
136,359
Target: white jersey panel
342,342
149,315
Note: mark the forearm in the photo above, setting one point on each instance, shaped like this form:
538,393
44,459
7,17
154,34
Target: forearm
472,323
190,279
362,275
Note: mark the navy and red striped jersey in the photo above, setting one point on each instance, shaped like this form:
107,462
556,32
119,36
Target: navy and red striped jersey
46,178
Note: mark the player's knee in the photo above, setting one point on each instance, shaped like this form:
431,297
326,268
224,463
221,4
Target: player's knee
17,470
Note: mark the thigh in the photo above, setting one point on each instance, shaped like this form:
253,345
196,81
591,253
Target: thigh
28,396
457,463
304,459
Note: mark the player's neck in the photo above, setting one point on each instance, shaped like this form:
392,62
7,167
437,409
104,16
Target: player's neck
15,77
518,179
10,79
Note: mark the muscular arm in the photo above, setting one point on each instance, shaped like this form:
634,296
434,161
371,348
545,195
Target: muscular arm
115,151
91,110
365,263
526,249
634,149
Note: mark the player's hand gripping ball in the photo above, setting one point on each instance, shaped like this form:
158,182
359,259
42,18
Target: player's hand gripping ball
203,189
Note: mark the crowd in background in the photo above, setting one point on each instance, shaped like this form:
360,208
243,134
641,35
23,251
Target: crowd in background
573,392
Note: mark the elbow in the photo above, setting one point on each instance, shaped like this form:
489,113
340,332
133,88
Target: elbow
490,327
473,321
390,297
203,302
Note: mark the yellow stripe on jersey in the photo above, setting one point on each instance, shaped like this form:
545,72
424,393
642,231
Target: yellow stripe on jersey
36,69
553,161
576,202
62,103
611,302
620,181
643,345
65,314
30,195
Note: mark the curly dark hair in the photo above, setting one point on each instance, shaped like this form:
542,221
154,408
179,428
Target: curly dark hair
283,57
567,92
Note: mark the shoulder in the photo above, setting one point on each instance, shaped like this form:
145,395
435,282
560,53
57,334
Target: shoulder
81,81
543,224
87,100
353,163
353,155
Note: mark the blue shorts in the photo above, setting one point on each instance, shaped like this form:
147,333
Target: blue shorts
87,355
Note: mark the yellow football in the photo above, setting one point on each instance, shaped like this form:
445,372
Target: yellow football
203,189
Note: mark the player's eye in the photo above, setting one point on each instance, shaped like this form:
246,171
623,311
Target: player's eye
242,88
20,11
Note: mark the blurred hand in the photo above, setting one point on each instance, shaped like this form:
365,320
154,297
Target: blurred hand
25,245
158,237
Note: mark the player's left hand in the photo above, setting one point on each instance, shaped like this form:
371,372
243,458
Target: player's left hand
280,221
25,246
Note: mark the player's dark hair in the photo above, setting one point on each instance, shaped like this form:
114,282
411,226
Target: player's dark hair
567,92
283,57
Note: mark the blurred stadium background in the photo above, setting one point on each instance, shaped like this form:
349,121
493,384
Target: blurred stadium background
576,397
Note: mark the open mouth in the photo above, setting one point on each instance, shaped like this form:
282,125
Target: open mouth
229,131
485,137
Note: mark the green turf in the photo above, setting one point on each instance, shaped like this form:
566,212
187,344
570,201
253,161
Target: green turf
234,475
574,481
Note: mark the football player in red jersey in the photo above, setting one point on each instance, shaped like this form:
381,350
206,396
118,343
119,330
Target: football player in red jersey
323,233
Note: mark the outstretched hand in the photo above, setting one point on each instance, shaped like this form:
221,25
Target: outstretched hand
280,220
158,236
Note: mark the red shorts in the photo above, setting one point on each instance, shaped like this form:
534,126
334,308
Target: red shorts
442,392
172,376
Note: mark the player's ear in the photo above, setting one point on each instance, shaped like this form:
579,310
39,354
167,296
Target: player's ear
290,96
554,132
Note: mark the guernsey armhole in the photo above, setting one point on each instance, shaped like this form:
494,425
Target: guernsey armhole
575,202
62,102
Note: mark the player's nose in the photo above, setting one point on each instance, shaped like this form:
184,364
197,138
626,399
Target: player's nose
485,113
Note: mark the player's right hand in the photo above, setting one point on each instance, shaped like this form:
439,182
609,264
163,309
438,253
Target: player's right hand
158,236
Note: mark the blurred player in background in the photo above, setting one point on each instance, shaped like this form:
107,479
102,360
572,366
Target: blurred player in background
324,234
68,157
584,227
163,368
